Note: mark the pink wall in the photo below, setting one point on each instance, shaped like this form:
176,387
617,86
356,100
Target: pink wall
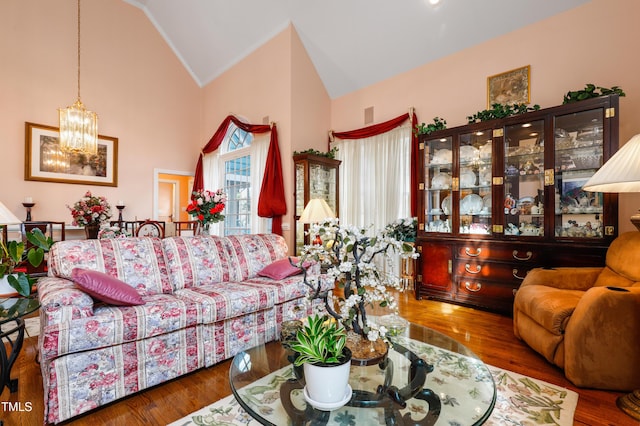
278,81
129,76
146,98
589,44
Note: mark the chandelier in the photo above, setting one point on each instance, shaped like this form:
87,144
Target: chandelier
78,126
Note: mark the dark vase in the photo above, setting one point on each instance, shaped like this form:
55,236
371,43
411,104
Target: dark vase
91,231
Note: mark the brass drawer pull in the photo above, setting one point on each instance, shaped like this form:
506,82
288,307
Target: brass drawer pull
475,288
515,256
467,251
467,268
515,274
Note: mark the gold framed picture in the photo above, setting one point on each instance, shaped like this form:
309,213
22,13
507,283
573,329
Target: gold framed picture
510,87
44,161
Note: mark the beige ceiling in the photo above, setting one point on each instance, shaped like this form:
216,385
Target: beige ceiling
352,43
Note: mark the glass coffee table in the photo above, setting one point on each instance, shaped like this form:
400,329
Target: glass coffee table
457,389
12,311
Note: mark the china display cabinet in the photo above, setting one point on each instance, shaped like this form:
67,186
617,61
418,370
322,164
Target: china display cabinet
316,176
498,198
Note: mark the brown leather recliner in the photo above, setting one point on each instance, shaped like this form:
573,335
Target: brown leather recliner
587,320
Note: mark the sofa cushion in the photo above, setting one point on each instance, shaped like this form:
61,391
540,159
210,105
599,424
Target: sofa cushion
220,301
194,261
114,325
137,261
106,288
251,253
293,287
548,306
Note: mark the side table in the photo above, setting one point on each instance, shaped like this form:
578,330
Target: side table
12,311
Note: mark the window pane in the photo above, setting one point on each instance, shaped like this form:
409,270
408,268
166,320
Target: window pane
238,188
238,138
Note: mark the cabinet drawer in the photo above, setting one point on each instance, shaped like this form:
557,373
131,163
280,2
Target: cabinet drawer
497,252
496,271
482,288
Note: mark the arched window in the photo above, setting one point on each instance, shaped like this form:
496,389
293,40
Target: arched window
235,162
238,167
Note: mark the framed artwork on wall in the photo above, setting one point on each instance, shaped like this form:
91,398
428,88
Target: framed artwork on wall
510,87
44,161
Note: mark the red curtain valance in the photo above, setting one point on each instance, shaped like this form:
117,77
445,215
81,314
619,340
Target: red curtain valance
272,202
378,129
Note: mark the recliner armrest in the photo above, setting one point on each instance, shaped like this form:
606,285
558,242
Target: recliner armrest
601,339
578,278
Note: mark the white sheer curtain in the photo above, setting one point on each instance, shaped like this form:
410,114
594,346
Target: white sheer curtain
213,175
375,180
259,150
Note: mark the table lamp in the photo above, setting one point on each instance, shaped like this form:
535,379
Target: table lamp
7,218
622,174
316,210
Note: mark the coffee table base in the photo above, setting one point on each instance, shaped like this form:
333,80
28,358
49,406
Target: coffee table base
7,359
389,398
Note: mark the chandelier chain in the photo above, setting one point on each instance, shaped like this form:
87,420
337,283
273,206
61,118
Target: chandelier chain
78,49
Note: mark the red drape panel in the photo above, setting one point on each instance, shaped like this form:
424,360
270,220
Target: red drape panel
377,129
272,202
415,151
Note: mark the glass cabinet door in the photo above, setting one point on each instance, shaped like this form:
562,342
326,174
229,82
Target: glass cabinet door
316,177
322,184
524,203
578,154
475,154
438,173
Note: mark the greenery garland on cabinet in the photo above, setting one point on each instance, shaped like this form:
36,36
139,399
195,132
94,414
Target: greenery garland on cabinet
501,111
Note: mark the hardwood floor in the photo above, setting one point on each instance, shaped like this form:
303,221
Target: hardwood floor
489,335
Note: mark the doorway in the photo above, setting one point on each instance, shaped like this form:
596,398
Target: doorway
171,194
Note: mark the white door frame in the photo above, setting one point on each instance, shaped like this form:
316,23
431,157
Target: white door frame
156,180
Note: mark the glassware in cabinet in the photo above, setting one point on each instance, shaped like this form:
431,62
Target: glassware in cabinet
579,153
475,178
438,175
524,204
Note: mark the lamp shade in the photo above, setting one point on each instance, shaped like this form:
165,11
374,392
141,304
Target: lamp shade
621,173
6,217
316,211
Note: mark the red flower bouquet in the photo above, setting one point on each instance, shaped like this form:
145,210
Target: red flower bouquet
90,210
207,206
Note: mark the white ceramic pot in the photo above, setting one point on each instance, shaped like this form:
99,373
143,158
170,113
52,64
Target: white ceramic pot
327,385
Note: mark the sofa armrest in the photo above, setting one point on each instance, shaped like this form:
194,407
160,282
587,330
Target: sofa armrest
61,300
601,339
578,278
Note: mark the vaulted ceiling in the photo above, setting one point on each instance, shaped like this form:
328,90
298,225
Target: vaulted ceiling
352,43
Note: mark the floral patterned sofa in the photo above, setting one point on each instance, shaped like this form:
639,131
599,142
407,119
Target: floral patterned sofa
203,303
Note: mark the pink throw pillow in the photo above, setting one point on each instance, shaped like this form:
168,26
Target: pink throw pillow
281,269
106,288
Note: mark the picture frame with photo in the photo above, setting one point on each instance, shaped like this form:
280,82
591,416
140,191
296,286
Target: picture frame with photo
45,162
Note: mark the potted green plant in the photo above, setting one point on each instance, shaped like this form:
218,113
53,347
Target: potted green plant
13,255
320,347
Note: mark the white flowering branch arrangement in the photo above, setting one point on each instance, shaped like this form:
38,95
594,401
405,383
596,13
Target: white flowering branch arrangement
352,258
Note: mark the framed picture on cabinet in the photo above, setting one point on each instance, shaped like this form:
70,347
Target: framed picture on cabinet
510,87
44,161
